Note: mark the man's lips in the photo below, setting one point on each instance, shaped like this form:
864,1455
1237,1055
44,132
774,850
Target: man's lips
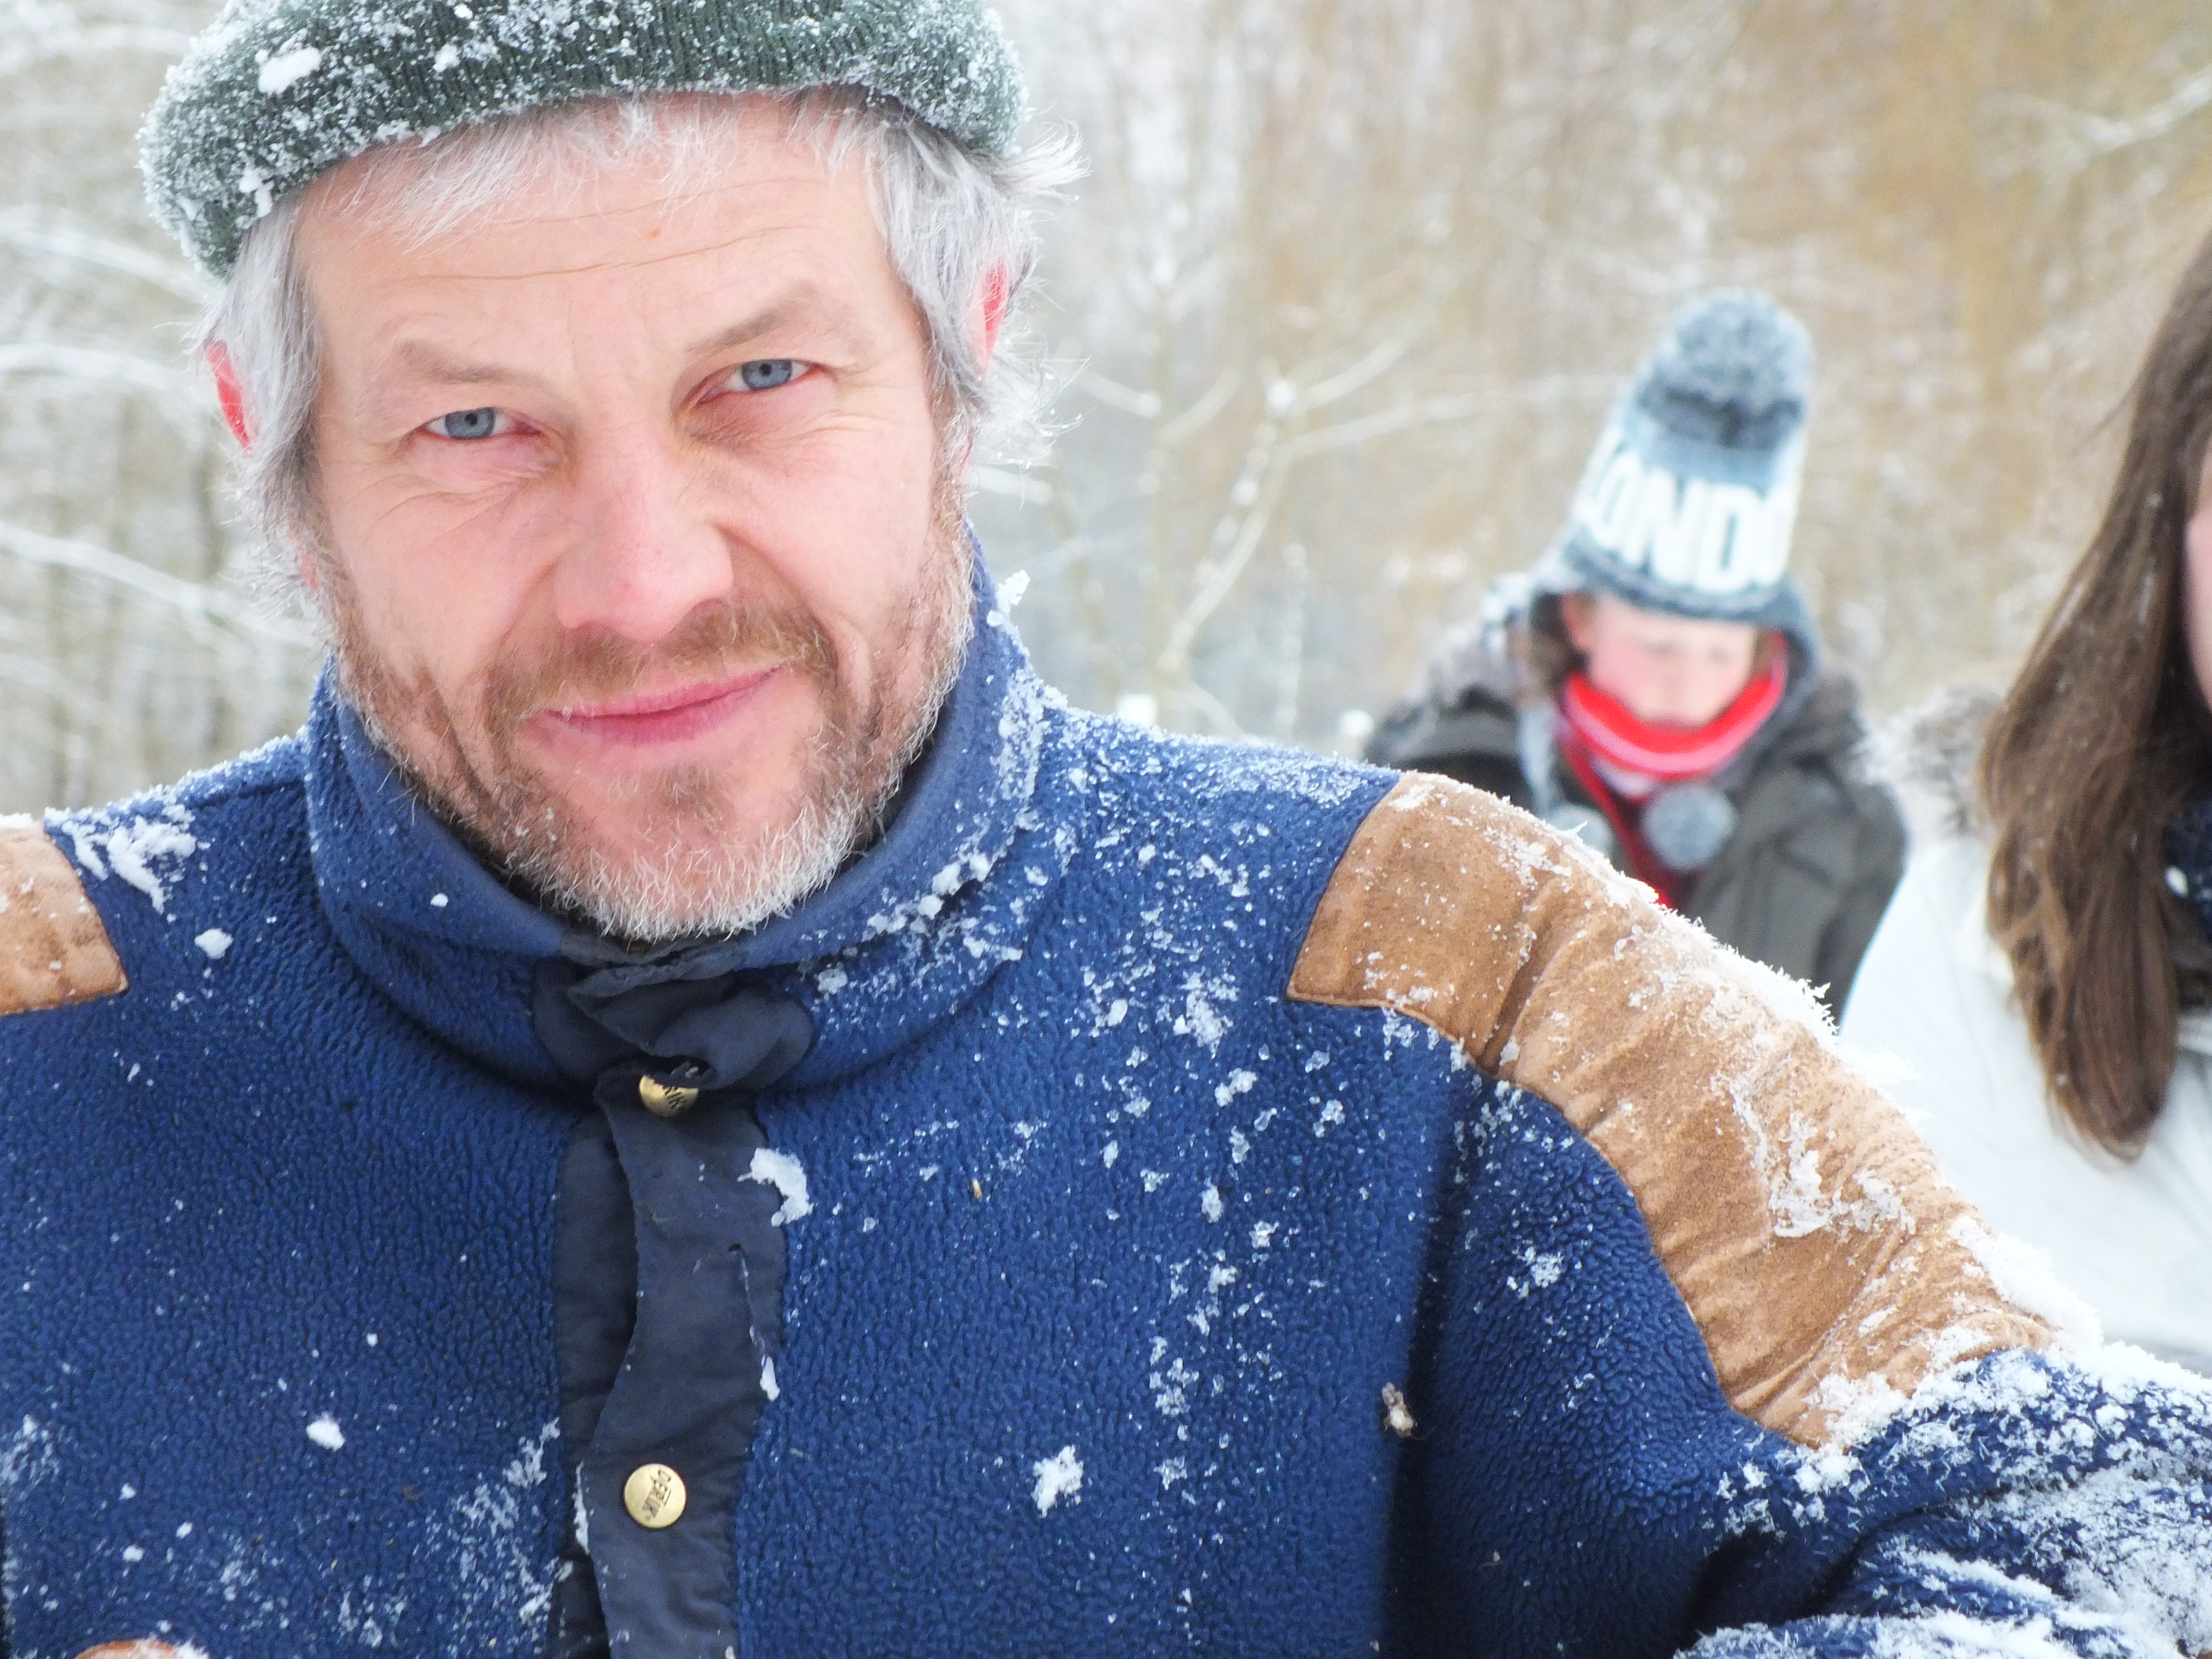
672,714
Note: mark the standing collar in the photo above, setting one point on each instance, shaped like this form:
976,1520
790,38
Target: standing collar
455,946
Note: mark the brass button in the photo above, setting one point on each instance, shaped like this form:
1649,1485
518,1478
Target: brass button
665,1099
653,1495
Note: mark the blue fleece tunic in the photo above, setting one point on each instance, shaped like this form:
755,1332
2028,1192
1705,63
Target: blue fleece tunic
1105,1254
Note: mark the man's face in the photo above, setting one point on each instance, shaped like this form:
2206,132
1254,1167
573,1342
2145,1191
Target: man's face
637,542
1669,671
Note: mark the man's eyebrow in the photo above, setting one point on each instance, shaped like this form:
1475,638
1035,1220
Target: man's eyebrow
423,361
808,307
746,330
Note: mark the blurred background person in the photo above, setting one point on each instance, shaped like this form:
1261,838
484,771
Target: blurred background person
1656,682
2044,970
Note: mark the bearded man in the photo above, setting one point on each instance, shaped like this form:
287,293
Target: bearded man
697,1109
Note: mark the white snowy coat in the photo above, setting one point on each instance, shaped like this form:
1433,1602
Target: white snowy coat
2133,1238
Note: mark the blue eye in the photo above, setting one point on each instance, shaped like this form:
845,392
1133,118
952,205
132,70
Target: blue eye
766,374
466,423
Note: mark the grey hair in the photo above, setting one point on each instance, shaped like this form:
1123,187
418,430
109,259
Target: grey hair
948,217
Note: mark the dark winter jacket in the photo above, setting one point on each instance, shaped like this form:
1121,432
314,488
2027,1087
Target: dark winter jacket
1233,1202
1818,847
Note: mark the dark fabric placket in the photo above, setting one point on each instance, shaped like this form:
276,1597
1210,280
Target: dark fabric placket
668,1284
595,1311
680,1384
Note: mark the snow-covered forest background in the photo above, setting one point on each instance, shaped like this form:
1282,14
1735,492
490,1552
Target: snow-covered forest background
1338,312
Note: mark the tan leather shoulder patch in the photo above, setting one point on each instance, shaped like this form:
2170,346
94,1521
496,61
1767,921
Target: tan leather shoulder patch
1798,1214
53,949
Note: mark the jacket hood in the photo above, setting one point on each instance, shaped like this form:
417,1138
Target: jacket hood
1927,756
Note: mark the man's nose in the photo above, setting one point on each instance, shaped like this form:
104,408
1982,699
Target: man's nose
647,550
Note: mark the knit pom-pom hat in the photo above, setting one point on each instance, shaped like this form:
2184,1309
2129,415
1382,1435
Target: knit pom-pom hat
1690,499
276,92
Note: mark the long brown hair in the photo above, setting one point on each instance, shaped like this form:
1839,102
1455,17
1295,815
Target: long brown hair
2102,739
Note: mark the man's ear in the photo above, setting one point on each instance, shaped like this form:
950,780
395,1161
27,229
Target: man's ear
229,393
997,291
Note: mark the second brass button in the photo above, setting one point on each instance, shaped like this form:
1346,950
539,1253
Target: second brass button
653,1495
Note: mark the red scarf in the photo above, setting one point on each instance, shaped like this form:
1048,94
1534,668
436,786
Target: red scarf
1595,731
1671,754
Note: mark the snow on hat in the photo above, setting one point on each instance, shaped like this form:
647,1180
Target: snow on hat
1690,499
276,92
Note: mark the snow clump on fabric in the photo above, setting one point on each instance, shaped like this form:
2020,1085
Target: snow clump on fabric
147,849
1057,1477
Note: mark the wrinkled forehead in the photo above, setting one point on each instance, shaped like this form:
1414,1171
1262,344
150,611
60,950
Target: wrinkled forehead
581,261
566,160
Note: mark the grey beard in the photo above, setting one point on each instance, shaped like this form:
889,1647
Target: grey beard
710,892
695,885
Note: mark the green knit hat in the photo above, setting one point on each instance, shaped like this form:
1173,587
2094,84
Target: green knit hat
276,92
